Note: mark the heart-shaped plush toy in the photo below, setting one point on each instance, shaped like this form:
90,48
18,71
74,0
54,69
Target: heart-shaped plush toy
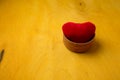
79,32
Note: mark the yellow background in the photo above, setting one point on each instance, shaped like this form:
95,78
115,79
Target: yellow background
31,35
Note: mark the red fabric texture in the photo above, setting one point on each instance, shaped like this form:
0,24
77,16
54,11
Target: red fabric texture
79,32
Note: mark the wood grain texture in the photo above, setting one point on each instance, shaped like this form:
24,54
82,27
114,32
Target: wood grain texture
31,35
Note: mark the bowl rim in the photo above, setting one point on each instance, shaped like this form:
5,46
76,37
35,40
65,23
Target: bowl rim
79,43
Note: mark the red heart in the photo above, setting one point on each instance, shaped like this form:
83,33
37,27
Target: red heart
79,32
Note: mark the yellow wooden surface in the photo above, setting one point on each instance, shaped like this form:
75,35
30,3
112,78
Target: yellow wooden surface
30,34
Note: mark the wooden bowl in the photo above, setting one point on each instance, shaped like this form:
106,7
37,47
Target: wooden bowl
77,47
